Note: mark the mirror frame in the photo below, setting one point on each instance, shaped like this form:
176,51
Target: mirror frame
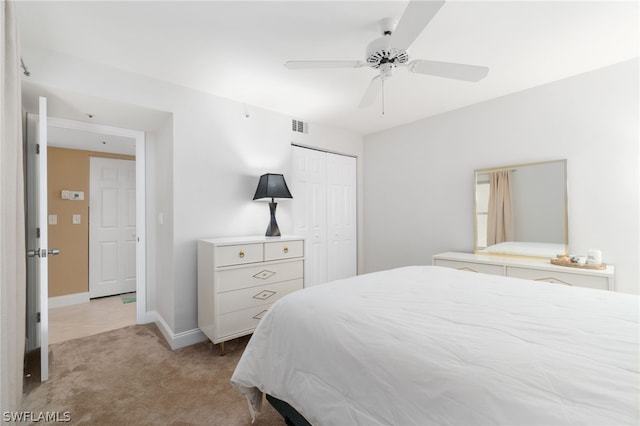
516,166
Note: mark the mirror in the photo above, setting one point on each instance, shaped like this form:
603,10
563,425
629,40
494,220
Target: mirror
522,209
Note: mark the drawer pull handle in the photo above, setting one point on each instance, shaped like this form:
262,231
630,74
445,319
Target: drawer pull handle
259,315
553,281
264,294
241,254
286,249
264,274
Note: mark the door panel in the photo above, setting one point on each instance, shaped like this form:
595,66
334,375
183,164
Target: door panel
108,261
341,222
37,238
309,210
112,231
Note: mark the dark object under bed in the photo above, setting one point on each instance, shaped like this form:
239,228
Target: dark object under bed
290,415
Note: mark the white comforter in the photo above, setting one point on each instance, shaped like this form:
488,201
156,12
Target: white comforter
435,346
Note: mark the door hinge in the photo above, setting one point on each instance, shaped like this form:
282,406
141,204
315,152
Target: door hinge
37,148
38,317
37,232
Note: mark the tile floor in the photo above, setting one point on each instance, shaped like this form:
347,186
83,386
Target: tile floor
86,319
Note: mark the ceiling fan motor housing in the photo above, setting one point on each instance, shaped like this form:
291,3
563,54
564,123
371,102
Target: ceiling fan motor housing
380,52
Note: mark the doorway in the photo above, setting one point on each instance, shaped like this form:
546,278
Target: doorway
137,138
77,191
124,136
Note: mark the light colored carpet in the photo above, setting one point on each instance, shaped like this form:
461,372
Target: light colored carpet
131,376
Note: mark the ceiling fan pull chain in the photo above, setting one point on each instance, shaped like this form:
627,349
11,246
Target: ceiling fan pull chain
382,96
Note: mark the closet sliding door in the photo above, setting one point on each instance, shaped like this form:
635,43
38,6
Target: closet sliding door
324,212
341,217
309,188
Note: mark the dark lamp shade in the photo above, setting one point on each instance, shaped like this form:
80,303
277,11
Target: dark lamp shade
272,185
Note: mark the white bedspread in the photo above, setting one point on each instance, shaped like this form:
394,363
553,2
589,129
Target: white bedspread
435,346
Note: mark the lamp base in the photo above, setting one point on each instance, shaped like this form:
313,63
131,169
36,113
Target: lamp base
272,229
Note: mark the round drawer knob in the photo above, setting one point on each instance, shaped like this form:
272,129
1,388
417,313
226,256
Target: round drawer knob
286,249
241,254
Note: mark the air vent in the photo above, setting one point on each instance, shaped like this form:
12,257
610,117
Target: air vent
299,126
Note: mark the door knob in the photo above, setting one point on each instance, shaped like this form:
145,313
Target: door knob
42,252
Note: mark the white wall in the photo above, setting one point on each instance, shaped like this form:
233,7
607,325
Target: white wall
207,164
219,154
419,177
161,218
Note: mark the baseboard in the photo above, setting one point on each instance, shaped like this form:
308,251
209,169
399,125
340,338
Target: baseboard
179,340
68,300
148,317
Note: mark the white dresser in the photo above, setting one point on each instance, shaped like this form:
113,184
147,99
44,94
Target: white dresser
239,278
537,270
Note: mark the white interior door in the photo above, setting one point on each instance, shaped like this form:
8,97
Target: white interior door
112,227
37,238
341,217
309,210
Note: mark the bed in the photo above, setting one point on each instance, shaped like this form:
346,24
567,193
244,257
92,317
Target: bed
427,345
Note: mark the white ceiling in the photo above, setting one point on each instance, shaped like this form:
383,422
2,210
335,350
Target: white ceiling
78,107
237,49
92,141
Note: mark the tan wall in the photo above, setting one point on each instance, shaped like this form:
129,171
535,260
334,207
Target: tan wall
68,169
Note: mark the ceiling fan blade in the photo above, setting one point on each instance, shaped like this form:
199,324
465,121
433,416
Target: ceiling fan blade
295,65
414,19
449,70
372,91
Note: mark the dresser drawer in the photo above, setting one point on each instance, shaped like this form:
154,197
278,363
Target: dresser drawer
485,268
283,250
238,254
578,280
239,323
255,296
252,276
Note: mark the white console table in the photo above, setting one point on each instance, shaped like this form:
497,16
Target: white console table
537,270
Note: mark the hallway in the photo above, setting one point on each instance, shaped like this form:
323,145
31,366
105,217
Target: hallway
86,319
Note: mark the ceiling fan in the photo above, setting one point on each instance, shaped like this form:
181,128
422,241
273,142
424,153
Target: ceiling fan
390,51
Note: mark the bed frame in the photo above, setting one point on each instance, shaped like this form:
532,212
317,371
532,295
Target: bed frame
289,414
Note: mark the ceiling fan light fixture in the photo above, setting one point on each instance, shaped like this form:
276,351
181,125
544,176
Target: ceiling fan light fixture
386,70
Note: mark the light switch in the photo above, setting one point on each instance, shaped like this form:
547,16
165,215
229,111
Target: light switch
76,219
53,219
65,194
76,195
